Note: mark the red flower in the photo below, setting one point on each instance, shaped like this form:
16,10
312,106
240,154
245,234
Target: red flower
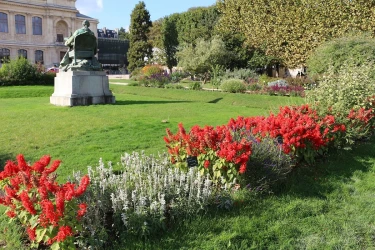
85,181
206,164
64,231
82,209
31,232
26,202
11,214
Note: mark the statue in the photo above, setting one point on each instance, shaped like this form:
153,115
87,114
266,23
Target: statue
82,50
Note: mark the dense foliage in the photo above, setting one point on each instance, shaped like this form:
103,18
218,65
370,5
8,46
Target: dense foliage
330,56
199,59
268,24
140,48
21,72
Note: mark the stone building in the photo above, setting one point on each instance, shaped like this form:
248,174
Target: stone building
35,29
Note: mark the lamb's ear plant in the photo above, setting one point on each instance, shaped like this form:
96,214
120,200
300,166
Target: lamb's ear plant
141,198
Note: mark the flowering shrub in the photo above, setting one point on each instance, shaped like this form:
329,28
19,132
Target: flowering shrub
152,69
48,211
140,200
218,154
158,80
347,96
303,133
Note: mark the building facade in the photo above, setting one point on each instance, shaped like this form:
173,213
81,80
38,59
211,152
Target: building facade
112,50
35,29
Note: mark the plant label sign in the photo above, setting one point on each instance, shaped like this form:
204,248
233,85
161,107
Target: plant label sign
192,161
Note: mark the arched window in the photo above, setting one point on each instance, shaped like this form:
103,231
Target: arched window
20,24
3,22
4,55
37,25
22,53
39,56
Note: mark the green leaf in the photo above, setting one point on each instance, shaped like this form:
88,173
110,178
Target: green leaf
40,232
55,246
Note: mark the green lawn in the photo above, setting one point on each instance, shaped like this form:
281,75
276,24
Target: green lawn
329,206
79,136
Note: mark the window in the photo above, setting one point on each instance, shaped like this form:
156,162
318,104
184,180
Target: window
4,55
22,53
60,38
39,56
20,24
3,22
37,25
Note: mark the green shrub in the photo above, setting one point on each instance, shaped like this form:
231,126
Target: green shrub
47,78
357,50
244,74
195,86
233,86
177,76
135,74
351,89
19,72
267,166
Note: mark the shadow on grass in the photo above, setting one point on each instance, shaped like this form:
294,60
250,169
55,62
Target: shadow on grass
215,100
147,102
323,178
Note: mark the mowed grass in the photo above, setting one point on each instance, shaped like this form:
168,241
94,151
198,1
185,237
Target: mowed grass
328,206
80,136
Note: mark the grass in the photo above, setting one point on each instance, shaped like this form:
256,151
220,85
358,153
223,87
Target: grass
329,206
79,136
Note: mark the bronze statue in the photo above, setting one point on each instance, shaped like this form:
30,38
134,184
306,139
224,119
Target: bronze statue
82,50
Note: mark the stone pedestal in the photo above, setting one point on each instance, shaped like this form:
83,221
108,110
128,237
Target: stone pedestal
77,88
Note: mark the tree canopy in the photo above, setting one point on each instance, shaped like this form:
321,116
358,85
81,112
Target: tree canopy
199,59
140,48
290,30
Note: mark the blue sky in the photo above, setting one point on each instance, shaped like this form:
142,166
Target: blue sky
116,13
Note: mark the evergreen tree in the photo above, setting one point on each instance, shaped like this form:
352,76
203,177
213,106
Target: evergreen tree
140,48
170,42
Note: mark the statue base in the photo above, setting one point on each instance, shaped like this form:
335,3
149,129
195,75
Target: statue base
80,88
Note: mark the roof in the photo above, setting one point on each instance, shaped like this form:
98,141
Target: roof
83,16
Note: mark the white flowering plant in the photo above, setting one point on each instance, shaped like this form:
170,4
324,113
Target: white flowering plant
140,199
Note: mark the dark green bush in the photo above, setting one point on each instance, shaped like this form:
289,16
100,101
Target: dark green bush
177,76
233,86
47,78
195,86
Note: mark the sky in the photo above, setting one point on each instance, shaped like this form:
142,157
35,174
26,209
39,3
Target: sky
114,14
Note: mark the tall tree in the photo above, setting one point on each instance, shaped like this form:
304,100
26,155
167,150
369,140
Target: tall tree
290,30
140,48
169,42
123,34
205,55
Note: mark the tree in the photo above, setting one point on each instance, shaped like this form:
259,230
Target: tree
140,48
169,42
123,34
290,30
200,59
